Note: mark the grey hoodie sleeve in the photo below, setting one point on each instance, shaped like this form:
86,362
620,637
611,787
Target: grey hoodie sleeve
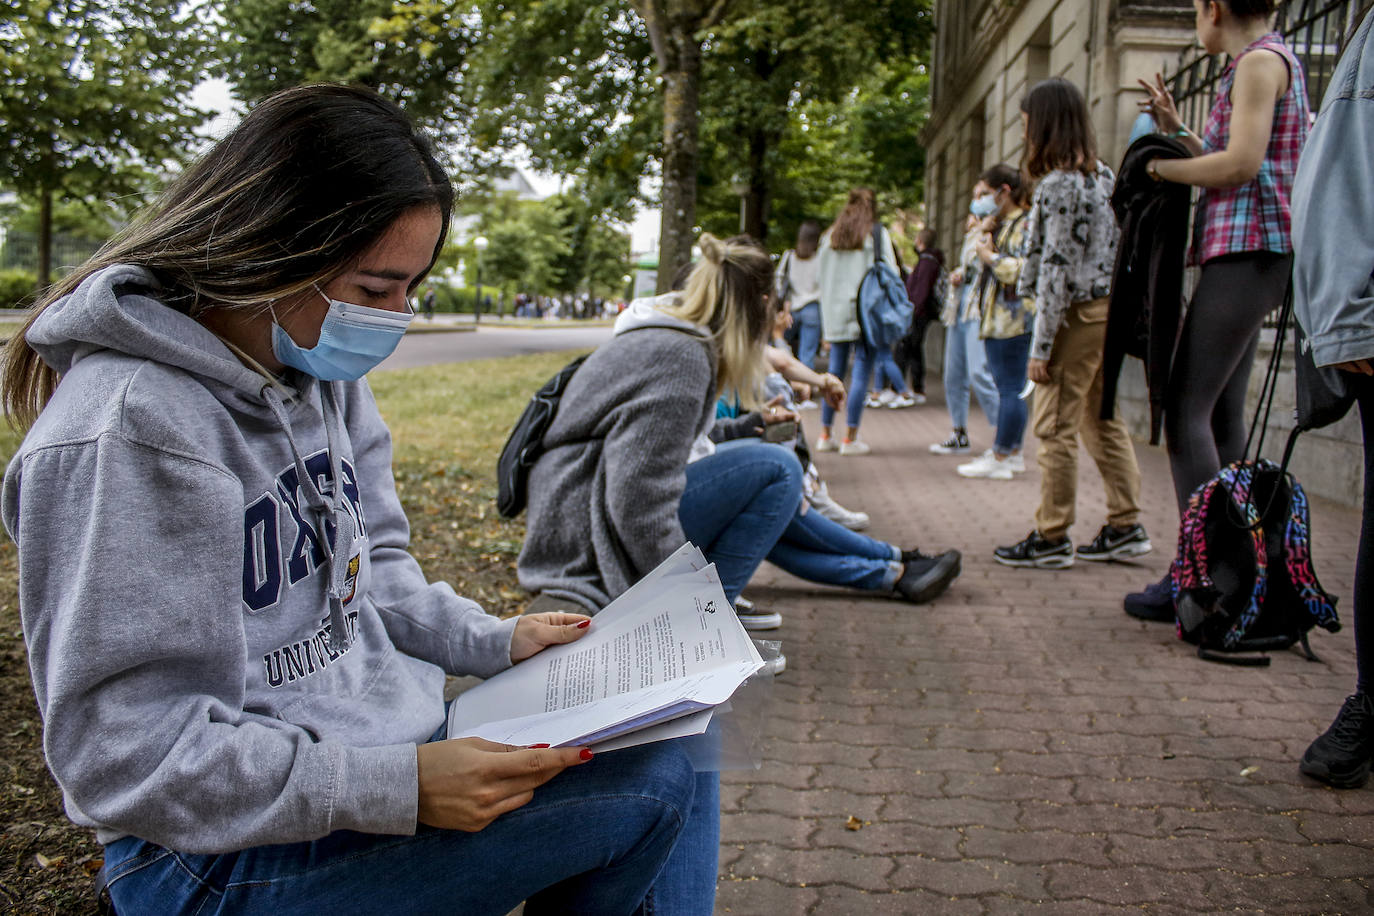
425,620
140,676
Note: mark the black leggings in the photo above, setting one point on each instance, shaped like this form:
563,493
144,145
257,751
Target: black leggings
1204,409
1363,603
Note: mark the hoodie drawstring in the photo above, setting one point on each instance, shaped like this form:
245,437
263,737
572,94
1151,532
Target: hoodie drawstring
329,510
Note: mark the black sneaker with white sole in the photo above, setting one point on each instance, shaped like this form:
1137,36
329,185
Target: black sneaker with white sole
1037,553
751,618
1116,544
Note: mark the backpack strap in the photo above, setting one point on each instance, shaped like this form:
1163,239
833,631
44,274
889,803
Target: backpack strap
1240,494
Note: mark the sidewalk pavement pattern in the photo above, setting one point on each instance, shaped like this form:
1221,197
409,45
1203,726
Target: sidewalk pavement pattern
1023,744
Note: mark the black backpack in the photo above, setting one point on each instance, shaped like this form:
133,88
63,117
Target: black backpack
526,442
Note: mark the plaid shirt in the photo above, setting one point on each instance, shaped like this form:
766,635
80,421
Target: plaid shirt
1254,216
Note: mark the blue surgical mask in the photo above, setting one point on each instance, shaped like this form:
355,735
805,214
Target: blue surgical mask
983,206
354,339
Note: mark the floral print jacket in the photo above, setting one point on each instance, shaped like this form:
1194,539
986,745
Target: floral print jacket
1071,237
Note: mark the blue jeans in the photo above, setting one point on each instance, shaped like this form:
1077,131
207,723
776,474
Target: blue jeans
1007,359
858,382
808,322
819,550
886,373
736,505
966,364
593,840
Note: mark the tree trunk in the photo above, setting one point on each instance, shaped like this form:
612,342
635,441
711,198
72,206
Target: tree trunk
758,198
681,92
44,240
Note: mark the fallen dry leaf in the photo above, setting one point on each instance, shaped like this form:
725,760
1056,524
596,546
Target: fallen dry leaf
853,823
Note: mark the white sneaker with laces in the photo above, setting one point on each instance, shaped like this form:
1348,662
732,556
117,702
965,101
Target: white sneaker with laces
827,444
820,501
918,398
987,465
873,401
901,401
887,396
856,447
1017,462
808,404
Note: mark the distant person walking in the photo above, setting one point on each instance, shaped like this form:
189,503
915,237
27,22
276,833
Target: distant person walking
846,254
1071,238
799,286
1244,162
427,303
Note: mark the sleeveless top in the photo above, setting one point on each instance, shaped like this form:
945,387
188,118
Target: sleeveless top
1254,216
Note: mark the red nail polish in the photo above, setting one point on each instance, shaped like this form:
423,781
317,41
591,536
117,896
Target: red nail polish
584,624
535,747
585,753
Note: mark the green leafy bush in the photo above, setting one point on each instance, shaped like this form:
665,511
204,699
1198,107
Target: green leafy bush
16,287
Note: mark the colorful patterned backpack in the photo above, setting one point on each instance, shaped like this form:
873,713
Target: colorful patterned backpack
1243,579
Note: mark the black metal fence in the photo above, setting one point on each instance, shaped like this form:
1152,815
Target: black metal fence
19,249
1314,29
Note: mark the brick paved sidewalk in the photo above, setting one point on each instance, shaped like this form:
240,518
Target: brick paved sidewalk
1022,743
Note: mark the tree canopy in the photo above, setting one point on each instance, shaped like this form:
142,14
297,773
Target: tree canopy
93,97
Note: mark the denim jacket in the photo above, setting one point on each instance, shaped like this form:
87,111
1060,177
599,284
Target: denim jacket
1333,213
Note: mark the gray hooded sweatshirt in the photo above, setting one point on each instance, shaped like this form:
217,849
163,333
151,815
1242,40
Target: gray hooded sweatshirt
603,497
176,518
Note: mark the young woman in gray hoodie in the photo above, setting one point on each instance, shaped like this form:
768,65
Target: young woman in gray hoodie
239,666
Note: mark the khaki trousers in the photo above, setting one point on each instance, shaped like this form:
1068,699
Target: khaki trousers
1068,407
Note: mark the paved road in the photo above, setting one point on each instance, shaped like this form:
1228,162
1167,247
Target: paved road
490,342
1023,745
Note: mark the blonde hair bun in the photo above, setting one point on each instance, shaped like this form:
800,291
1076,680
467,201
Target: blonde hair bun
712,248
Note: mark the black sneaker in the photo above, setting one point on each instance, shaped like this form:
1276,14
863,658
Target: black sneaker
956,444
1156,603
1341,756
1037,552
1116,544
924,578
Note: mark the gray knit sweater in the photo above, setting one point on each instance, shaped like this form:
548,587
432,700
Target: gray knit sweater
603,497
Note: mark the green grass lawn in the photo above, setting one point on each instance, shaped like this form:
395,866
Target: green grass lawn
448,424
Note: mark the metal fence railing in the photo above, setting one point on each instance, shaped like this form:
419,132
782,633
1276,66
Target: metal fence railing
19,249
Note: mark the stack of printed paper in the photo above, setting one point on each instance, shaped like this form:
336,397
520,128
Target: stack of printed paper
654,664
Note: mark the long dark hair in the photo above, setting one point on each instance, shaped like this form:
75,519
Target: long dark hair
1059,132
808,238
855,221
294,195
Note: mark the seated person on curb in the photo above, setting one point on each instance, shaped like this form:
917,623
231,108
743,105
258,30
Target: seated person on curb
815,548
239,666
614,492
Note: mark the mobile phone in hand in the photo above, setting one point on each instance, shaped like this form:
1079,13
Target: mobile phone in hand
785,431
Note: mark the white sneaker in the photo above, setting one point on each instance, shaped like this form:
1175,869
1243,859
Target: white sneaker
918,398
751,618
820,501
873,401
987,465
827,444
887,396
1017,463
808,404
901,401
856,447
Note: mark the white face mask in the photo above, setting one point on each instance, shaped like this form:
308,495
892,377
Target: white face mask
354,339
983,205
